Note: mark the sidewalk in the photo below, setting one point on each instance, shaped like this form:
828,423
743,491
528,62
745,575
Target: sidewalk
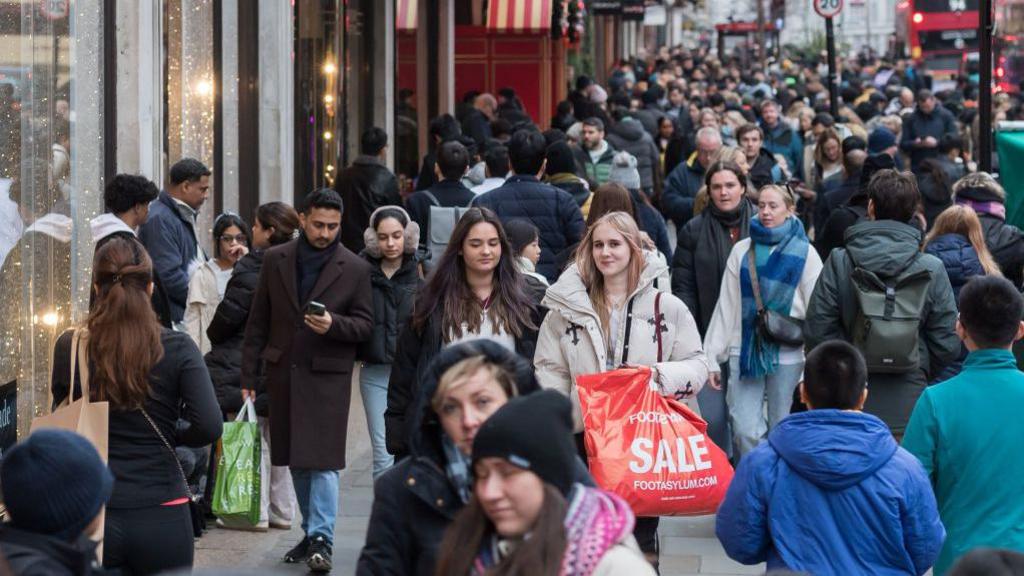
688,545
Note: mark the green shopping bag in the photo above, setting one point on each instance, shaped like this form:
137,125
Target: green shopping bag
236,494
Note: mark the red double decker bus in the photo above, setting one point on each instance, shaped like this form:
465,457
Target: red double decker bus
938,33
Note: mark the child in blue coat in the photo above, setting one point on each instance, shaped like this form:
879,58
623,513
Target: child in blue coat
831,492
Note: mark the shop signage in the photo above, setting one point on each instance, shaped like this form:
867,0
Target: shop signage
8,416
606,7
633,10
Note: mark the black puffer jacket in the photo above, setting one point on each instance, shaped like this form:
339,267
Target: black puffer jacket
415,353
1006,243
364,186
30,554
393,300
226,332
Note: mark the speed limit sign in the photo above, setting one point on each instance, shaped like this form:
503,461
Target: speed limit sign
828,8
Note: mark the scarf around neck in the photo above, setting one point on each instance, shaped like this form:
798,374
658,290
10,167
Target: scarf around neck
456,467
714,243
594,522
781,253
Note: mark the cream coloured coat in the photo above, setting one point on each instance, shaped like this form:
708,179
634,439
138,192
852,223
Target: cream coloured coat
571,342
725,331
203,298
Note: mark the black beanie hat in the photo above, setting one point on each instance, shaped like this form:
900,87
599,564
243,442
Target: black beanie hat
534,433
54,483
560,159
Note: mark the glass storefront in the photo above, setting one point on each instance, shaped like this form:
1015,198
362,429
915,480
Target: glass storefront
51,176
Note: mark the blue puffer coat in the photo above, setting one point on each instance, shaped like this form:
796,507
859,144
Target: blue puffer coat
830,492
552,210
959,258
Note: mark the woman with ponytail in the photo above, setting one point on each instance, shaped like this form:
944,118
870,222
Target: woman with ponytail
152,377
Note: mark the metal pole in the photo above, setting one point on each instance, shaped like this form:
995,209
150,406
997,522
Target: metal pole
833,80
985,88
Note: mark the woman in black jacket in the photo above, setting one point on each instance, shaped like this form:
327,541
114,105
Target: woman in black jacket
151,377
476,291
275,224
416,500
391,242
698,266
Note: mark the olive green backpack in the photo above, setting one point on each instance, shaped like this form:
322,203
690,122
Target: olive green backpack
886,327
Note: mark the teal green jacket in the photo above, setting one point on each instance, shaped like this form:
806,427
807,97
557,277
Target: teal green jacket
968,433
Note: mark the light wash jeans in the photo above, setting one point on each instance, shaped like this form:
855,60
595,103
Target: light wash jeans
317,493
373,385
746,399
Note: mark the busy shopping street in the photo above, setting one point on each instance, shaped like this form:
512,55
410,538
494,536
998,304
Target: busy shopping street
511,287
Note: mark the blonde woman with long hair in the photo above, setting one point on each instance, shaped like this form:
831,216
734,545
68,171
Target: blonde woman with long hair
602,316
958,240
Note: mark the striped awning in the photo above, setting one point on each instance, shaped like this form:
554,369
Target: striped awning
519,15
405,14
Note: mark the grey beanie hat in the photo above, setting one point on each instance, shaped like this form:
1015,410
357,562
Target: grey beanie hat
624,171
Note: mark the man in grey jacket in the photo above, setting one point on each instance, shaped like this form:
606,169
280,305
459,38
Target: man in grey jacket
889,249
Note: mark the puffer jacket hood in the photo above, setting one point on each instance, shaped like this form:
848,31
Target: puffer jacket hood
630,129
425,429
885,247
833,449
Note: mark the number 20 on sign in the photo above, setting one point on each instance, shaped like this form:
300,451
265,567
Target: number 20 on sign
828,8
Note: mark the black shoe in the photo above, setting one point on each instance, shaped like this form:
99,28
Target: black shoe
319,559
299,552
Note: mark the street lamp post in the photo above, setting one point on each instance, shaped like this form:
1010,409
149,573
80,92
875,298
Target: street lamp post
985,87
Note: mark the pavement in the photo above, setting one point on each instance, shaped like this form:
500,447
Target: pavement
688,545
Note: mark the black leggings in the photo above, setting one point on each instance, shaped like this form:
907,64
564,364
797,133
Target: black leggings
142,541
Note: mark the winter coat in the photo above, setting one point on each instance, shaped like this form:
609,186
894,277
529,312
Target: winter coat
576,187
886,248
415,351
920,125
226,334
629,136
414,502
650,118
836,191
698,291
596,172
830,492
552,210
785,141
651,222
203,298
393,300
958,257
572,343
171,242
364,186
449,193
966,432
681,187
840,220
30,554
725,332
307,374
1006,243
477,126
765,170
624,557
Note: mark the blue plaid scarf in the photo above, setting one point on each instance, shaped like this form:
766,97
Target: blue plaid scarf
780,255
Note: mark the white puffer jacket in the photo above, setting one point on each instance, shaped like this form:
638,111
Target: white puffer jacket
571,342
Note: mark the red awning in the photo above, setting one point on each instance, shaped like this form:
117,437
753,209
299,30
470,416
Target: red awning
519,15
405,14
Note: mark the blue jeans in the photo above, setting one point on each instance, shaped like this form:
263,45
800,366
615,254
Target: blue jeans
317,493
373,384
746,399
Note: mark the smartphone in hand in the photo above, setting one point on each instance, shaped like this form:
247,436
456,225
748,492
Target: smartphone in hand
315,309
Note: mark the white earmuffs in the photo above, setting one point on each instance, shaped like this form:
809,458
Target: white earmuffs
412,234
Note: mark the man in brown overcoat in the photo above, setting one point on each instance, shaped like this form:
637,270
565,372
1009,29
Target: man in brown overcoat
308,355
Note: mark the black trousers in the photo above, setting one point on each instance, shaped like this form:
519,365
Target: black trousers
143,541
646,529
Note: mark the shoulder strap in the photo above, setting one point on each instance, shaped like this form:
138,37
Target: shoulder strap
629,327
657,321
170,450
80,364
433,199
755,286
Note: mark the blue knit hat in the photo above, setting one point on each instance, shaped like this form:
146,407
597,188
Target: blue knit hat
54,483
880,140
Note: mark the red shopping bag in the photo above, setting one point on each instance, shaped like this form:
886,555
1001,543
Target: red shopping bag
651,450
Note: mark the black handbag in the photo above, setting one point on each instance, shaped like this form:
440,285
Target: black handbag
772,325
195,508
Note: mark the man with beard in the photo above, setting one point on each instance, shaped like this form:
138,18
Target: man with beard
764,169
596,155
